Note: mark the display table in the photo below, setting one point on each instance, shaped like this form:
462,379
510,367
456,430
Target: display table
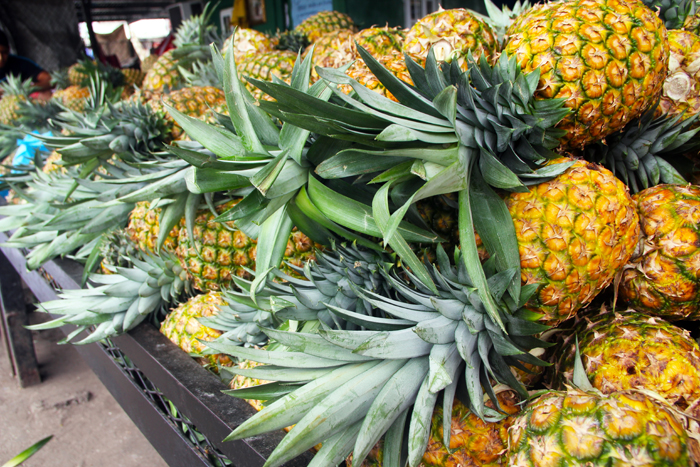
177,404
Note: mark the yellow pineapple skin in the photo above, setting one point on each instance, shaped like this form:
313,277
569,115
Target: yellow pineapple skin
316,26
576,428
9,106
51,166
663,278
333,50
263,66
163,74
379,41
607,58
453,34
133,77
184,330
681,90
143,228
473,442
247,42
73,97
575,233
360,72
225,251
194,101
630,350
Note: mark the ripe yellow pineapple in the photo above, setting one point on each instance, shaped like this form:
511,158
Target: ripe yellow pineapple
452,34
323,22
73,97
577,428
379,41
263,66
608,58
248,42
663,278
184,330
630,350
14,91
225,251
164,73
133,77
77,74
148,63
575,233
333,50
50,164
143,228
359,71
195,101
473,442
681,91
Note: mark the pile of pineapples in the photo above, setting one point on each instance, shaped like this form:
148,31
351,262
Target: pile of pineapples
397,244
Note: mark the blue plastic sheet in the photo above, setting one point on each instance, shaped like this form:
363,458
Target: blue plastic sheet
27,148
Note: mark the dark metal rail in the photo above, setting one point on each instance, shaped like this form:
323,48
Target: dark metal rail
193,390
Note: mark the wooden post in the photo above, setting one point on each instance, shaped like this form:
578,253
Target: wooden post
13,316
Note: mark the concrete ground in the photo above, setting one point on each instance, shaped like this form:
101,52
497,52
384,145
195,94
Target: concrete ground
89,426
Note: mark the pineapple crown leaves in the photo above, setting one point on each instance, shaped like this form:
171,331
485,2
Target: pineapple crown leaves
639,153
59,78
14,86
203,73
489,128
672,12
357,383
500,19
119,302
293,40
333,283
197,29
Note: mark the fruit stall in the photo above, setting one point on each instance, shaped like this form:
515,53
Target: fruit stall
468,237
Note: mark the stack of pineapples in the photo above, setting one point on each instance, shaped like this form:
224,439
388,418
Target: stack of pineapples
398,234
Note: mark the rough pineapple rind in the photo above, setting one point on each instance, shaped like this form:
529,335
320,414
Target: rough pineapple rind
630,350
663,278
453,34
143,228
360,72
73,97
323,22
333,50
194,101
184,330
575,233
163,73
247,42
608,58
263,66
575,428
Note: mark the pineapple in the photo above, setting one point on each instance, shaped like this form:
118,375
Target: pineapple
133,77
248,42
52,164
184,330
77,74
473,442
116,249
379,41
241,382
263,66
681,90
221,251
608,59
148,63
577,428
663,278
630,350
575,233
164,74
143,228
451,34
333,50
323,22
14,91
195,101
73,97
359,71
